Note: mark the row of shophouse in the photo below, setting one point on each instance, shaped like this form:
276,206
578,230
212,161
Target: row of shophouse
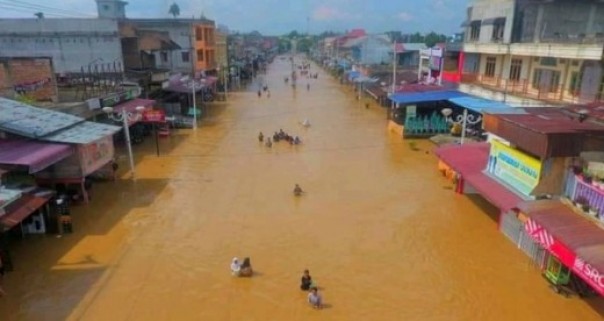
522,98
521,52
70,89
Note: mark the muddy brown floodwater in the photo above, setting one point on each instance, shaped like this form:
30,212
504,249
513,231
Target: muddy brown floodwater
381,231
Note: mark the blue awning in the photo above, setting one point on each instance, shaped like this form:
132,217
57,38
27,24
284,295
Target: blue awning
409,98
481,105
353,74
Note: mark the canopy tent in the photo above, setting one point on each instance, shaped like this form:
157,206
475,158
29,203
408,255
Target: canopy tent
130,105
426,96
481,105
32,154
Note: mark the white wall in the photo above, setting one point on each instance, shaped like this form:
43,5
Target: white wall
72,43
375,51
485,9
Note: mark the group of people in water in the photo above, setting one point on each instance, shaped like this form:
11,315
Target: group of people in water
314,299
278,136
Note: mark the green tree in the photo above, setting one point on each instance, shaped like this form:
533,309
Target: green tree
433,38
293,34
305,44
40,15
174,10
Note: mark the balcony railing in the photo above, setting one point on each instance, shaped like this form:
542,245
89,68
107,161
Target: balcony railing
523,87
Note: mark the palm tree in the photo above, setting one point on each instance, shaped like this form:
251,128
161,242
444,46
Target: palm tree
174,10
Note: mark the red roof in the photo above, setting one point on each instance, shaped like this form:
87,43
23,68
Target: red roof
469,161
465,159
552,120
20,209
575,232
355,33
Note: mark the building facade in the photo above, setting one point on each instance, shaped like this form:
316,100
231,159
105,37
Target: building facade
543,50
195,37
73,44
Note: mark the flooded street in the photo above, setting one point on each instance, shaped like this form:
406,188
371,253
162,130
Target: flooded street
380,230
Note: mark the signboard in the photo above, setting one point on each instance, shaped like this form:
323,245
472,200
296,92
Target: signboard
117,98
411,111
88,158
96,154
154,116
519,170
583,269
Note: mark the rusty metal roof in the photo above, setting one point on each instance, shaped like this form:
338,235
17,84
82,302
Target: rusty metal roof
551,120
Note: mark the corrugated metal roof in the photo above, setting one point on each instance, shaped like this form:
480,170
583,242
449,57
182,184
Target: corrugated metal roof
578,233
465,159
83,133
32,122
552,120
481,105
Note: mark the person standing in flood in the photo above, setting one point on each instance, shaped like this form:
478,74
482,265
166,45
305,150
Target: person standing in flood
305,281
314,298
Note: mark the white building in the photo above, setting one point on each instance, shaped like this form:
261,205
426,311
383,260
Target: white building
544,50
73,44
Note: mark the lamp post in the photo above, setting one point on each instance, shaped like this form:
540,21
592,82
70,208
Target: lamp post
194,86
462,119
126,117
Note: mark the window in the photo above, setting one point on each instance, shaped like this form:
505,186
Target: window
200,55
106,7
490,67
546,80
515,69
474,30
575,83
549,61
497,32
208,56
198,34
185,56
164,56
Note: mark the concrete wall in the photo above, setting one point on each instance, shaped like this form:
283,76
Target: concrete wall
485,9
375,51
72,43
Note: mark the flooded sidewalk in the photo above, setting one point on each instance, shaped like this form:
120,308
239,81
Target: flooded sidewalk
380,230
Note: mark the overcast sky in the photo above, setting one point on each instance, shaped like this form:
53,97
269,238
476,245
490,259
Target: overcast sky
278,16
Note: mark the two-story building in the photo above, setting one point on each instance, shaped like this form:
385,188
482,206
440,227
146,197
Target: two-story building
535,50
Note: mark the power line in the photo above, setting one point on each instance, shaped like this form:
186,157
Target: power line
43,8
72,12
28,11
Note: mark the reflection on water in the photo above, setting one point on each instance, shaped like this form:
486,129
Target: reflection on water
376,228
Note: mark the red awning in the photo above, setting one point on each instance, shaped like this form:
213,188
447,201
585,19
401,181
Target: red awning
33,154
20,209
575,240
493,191
469,161
465,159
130,105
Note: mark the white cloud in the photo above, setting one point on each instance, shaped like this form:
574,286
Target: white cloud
326,13
405,16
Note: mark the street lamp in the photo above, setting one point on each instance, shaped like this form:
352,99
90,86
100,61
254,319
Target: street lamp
194,87
462,119
126,117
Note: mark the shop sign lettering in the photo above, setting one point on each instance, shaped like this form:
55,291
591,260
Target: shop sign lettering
514,167
117,98
592,274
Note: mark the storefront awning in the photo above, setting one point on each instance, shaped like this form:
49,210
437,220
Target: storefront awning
84,133
426,96
470,160
33,154
130,106
575,240
480,105
20,209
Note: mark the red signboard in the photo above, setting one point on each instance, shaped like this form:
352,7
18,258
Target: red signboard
569,258
154,116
